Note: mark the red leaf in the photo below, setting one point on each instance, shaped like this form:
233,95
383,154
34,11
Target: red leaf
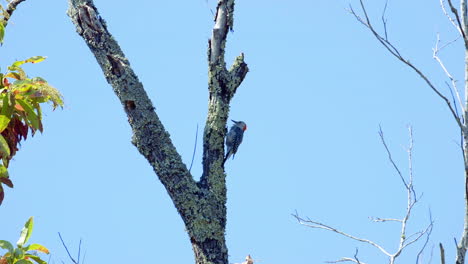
7,182
2,195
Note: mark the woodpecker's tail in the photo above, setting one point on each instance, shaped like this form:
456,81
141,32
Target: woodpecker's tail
228,155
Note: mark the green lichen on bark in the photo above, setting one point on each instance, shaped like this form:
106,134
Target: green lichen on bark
202,204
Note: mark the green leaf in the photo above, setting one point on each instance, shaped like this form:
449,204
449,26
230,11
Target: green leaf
5,104
26,232
4,177
24,261
5,161
13,75
17,64
6,245
37,247
35,59
36,258
2,31
18,253
4,121
31,115
3,172
4,148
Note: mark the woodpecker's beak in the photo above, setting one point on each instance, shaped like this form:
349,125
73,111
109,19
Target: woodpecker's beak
235,121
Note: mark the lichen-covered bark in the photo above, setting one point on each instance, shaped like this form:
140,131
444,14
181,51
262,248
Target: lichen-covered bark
202,205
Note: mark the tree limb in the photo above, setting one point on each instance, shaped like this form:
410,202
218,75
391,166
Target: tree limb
149,135
10,9
202,204
222,86
459,22
454,23
314,224
394,51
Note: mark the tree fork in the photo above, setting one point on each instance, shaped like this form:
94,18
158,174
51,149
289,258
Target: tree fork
202,205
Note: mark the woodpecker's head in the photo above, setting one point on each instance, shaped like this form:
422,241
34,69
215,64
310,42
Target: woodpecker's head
240,124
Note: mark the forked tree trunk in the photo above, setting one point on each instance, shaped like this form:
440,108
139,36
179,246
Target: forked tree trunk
202,205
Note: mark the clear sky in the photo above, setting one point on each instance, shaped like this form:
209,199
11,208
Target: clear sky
319,86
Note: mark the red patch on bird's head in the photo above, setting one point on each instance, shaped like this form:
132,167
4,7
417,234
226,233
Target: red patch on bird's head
245,128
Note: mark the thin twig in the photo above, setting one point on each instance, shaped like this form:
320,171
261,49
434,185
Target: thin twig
345,260
428,236
453,98
382,220
435,55
384,20
390,157
68,252
420,234
410,163
355,256
79,251
314,224
194,149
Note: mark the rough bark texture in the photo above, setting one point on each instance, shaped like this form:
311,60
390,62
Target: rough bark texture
463,244
202,205
9,10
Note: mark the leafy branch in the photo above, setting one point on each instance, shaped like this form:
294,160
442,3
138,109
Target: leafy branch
23,254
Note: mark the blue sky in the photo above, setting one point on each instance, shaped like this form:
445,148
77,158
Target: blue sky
319,86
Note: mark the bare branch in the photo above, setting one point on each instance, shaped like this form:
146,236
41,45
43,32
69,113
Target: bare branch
355,256
418,235
453,21
390,157
344,260
384,20
315,224
394,51
149,135
79,251
410,165
459,22
412,199
453,88
68,252
442,254
428,236
10,9
223,85
223,23
382,220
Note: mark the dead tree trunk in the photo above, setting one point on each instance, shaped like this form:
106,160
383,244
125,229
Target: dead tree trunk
202,205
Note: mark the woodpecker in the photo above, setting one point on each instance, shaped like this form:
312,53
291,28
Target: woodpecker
234,138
